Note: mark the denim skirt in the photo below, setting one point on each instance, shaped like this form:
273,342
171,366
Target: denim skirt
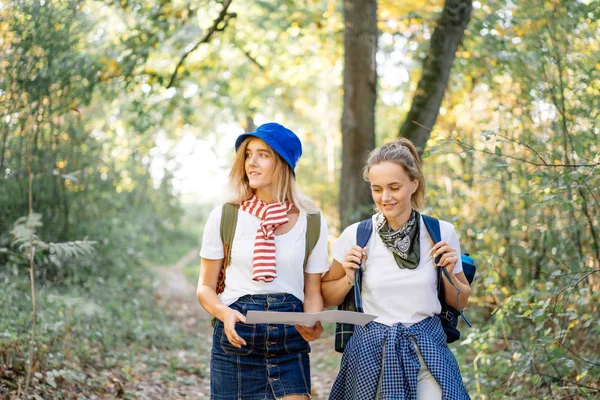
273,364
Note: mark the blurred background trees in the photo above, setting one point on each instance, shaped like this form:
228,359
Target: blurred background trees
358,113
130,147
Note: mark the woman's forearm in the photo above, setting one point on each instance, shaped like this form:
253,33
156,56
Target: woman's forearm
335,291
210,301
313,303
206,289
313,299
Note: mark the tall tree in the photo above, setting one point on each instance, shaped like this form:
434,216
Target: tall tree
358,116
437,65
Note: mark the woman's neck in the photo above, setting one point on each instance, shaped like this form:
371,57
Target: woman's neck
267,197
397,222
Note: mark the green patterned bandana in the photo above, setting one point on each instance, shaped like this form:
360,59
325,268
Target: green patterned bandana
403,243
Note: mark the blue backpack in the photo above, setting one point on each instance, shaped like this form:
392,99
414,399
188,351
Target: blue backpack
448,316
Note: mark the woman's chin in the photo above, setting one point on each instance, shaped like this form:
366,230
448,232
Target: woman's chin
393,214
390,212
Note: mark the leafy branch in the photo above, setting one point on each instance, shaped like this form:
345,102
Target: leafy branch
498,153
218,25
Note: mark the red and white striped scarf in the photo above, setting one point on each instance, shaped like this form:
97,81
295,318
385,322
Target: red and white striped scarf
271,216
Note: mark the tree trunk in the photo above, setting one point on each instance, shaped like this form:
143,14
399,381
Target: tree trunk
436,71
250,126
358,116
4,137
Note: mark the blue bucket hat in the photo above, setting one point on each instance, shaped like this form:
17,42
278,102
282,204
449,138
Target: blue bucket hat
282,140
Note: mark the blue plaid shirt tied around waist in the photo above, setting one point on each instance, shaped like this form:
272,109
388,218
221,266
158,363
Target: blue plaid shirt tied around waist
381,362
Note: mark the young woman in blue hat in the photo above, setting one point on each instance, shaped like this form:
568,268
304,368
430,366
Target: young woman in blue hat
403,353
266,273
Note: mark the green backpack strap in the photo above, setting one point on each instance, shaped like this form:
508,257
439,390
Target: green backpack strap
229,216
229,221
313,231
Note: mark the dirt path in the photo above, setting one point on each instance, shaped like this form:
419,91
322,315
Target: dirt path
186,373
179,373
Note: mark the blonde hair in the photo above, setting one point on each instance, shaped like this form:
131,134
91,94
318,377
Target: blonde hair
284,182
402,152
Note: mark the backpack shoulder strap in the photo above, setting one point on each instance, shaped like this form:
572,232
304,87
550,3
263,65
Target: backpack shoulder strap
229,217
363,234
433,228
313,231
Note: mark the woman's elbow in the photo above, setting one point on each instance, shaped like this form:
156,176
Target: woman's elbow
327,303
325,295
328,299
201,293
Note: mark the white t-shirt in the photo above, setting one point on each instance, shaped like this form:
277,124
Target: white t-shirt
289,250
395,294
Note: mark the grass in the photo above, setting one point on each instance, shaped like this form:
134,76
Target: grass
174,246
99,322
191,271
101,325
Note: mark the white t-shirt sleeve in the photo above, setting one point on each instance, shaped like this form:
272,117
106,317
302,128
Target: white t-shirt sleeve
212,245
450,236
318,261
344,243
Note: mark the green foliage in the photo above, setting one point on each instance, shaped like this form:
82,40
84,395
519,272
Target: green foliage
101,323
24,237
90,180
514,164
62,119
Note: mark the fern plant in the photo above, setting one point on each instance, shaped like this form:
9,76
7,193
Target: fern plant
24,236
26,243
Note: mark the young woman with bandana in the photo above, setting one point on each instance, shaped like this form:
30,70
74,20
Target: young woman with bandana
403,353
266,273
